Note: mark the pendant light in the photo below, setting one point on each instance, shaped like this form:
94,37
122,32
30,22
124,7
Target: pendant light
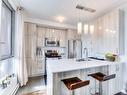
79,26
86,28
91,29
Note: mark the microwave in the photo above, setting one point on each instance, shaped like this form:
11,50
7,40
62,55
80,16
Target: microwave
52,42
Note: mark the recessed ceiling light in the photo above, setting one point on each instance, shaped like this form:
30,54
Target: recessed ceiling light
60,19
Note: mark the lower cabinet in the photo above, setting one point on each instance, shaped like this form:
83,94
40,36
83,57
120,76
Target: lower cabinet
35,67
35,63
109,87
116,85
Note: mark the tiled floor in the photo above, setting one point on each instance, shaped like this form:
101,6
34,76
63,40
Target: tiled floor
34,84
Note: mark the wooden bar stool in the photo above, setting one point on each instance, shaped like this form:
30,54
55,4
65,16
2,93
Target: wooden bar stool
74,83
101,78
120,93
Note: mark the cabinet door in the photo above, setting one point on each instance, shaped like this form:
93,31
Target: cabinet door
41,66
31,40
56,34
41,37
62,38
31,28
72,35
30,44
48,32
115,85
106,37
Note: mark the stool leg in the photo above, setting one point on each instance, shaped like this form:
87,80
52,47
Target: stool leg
72,92
100,88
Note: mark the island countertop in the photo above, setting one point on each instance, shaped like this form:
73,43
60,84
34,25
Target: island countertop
63,65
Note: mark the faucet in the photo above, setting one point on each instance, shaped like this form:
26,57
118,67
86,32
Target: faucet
86,52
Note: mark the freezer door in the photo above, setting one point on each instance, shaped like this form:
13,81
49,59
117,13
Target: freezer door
78,49
70,49
74,49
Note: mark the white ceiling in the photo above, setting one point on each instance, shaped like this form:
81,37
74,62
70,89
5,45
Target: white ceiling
50,9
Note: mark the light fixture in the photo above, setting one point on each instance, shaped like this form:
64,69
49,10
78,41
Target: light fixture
86,28
113,31
100,27
85,8
60,19
107,30
91,29
79,26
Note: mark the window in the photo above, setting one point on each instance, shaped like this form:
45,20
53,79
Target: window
7,31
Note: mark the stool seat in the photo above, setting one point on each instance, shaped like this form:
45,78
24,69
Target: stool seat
75,83
102,77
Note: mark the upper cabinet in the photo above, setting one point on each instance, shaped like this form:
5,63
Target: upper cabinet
30,36
73,35
63,38
41,32
59,35
108,33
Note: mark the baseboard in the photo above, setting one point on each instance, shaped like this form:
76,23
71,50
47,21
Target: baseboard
36,75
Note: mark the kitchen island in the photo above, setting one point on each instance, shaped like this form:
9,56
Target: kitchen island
67,68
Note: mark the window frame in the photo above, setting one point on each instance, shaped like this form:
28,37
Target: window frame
12,34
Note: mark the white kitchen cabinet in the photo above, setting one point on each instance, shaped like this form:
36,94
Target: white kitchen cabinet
41,37
63,39
107,36
31,28
53,33
48,32
115,85
41,66
30,40
56,34
72,34
35,64
35,38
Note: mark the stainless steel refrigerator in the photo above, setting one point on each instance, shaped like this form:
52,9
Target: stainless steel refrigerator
75,49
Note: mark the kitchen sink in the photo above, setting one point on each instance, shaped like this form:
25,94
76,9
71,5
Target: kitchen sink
83,59
101,59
